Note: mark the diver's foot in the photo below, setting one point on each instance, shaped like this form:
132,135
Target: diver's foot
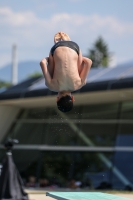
57,37
64,36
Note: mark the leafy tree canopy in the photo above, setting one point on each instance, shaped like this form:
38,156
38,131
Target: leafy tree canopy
35,74
4,84
99,53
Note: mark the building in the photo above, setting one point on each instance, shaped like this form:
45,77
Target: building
93,143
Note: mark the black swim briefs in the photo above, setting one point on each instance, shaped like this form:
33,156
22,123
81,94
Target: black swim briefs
69,44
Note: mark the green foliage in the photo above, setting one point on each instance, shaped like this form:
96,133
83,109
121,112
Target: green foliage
99,54
4,84
35,74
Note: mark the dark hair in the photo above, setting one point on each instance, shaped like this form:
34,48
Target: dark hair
65,104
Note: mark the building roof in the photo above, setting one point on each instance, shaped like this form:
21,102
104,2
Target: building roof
98,79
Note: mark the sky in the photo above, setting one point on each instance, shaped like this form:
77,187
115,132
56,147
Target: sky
32,24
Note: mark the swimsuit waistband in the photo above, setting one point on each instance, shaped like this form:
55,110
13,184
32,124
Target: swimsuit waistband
69,44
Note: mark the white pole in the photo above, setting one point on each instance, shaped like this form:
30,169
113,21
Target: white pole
14,65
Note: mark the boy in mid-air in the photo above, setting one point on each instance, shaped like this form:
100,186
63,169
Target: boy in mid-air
65,70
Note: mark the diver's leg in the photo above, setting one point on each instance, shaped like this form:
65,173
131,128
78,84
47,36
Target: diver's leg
50,65
80,62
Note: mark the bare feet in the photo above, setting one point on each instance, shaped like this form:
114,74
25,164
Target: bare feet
57,37
64,36
61,36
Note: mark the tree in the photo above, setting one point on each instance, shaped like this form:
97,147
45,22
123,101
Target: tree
4,84
34,75
99,54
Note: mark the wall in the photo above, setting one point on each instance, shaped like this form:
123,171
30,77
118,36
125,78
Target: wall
7,116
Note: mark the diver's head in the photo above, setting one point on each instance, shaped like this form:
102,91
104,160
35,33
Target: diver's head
65,102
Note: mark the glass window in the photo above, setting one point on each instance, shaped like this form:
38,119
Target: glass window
103,125
46,126
127,110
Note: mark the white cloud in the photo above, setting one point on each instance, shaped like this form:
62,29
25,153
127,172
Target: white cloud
13,19
32,33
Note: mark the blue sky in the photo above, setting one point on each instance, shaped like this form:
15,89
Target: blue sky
32,24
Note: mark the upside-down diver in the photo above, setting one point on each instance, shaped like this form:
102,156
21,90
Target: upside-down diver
65,70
